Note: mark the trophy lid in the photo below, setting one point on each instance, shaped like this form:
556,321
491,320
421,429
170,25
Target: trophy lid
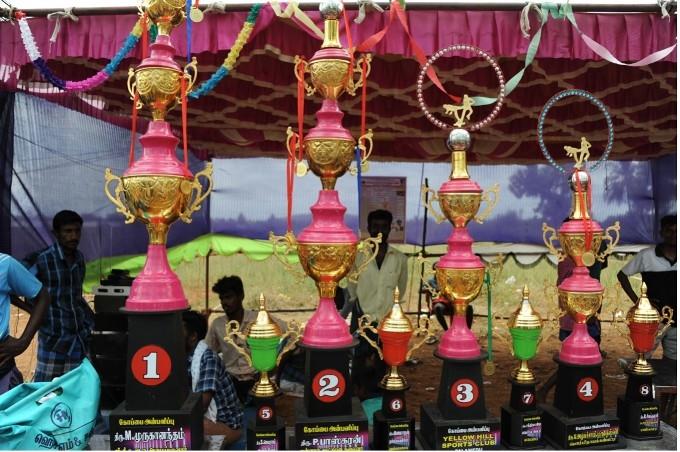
263,327
525,316
643,311
395,321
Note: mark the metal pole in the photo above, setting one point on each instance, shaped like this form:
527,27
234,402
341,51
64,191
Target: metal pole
207,282
422,251
609,6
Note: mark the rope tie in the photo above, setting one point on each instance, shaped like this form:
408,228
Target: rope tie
362,10
58,16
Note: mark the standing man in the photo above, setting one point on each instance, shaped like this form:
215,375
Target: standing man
373,294
16,280
657,265
64,335
230,291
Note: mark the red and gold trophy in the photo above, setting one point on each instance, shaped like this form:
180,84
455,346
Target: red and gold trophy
637,409
459,419
327,249
157,189
578,411
263,338
393,428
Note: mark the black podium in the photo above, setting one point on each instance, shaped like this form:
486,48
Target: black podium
459,419
267,431
393,428
328,417
638,410
521,419
577,419
159,412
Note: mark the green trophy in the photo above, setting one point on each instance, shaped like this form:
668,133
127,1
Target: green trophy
521,420
264,337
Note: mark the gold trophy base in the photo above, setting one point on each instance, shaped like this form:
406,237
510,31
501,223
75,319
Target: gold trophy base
264,388
523,374
392,381
640,366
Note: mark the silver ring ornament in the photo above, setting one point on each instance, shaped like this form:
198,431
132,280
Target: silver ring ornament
593,100
497,70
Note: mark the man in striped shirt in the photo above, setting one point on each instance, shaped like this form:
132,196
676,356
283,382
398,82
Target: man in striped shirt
64,335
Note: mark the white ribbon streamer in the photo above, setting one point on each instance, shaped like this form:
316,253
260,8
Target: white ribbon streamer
216,7
524,23
362,10
58,16
663,4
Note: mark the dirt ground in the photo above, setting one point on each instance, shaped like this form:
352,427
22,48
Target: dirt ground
424,376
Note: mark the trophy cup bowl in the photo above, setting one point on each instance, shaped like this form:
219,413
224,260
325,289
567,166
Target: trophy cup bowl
158,88
167,14
460,285
329,158
329,71
327,263
460,208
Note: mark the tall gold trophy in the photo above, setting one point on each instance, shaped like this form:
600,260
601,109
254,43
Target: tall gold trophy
157,189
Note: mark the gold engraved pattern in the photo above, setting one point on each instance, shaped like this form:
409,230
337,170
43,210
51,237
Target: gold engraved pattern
574,244
158,89
459,208
167,14
329,77
460,284
327,261
584,303
329,158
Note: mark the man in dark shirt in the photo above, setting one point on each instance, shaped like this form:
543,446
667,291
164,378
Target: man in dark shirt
64,335
657,265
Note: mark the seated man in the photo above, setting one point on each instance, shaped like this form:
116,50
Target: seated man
222,409
231,293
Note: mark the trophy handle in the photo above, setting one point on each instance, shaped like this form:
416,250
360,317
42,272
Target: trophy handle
365,324
352,86
425,278
197,195
294,331
117,197
438,217
288,242
613,241
301,63
426,328
490,203
233,331
191,73
368,252
667,314
365,153
549,242
617,321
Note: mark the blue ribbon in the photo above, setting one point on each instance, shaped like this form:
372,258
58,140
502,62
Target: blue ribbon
188,21
357,151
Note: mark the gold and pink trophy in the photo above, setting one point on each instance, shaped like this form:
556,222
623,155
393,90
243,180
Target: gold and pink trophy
157,189
459,419
327,249
577,417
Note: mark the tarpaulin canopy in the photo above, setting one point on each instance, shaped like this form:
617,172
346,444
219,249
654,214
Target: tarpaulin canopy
249,111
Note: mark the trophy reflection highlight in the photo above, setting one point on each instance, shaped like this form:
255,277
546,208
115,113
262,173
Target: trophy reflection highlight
645,327
157,189
263,338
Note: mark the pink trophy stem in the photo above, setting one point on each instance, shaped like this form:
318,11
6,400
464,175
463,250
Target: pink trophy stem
156,288
326,328
458,342
580,348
